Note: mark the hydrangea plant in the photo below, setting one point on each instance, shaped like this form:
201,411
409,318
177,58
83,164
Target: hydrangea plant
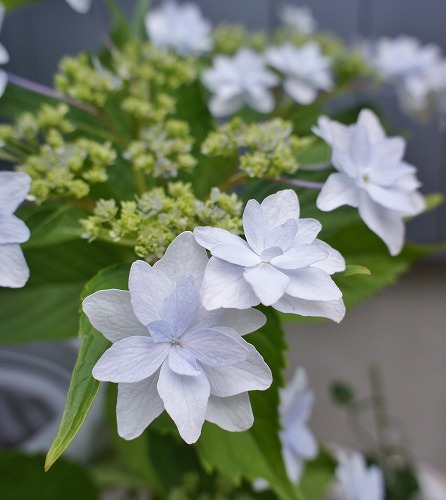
176,211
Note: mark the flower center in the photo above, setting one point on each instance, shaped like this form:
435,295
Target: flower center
175,341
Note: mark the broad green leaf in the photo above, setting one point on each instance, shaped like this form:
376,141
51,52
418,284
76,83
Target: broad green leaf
351,269
139,13
47,308
256,452
433,201
83,387
23,477
318,475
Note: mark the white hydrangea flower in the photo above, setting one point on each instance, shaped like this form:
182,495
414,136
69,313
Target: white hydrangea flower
81,6
4,56
397,58
14,272
306,70
372,177
238,81
298,442
298,18
356,481
169,353
179,27
281,264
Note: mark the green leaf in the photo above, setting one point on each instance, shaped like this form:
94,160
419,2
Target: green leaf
433,201
47,308
351,269
139,14
22,477
256,452
318,476
83,387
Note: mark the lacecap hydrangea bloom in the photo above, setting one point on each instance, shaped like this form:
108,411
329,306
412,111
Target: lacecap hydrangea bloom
371,176
14,272
169,353
281,264
298,442
81,6
357,481
305,69
180,27
241,80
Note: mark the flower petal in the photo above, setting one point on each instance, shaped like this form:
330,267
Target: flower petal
268,283
236,255
130,360
213,348
387,224
243,321
149,291
280,207
232,414
255,225
181,305
300,255
253,374
14,271
331,309
311,283
394,199
14,186
300,91
334,263
225,286
185,400
282,236
111,313
338,190
208,237
182,362
183,256
307,230
12,229
138,405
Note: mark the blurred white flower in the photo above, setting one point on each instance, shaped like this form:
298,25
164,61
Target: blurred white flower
14,272
4,56
170,353
298,18
403,56
281,264
180,27
81,6
306,70
372,177
356,481
298,442
238,81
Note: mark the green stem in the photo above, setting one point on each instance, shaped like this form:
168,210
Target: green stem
140,181
379,407
233,180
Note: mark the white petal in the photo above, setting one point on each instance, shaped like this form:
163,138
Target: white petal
4,56
300,91
81,6
311,283
220,107
14,186
183,362
213,348
236,255
149,291
307,230
225,286
208,237
263,103
293,464
302,442
268,283
300,255
393,199
338,190
185,400
3,83
206,319
370,121
138,405
111,313
183,256
255,226
243,321
130,360
331,309
334,263
280,207
389,151
12,229
253,374
181,305
282,236
14,271
232,414
387,224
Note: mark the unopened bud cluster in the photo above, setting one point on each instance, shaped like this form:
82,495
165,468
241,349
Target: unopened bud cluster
229,38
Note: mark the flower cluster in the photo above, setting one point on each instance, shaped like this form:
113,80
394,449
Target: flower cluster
265,149
155,218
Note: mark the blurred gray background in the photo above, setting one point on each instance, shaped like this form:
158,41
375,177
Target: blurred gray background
403,329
